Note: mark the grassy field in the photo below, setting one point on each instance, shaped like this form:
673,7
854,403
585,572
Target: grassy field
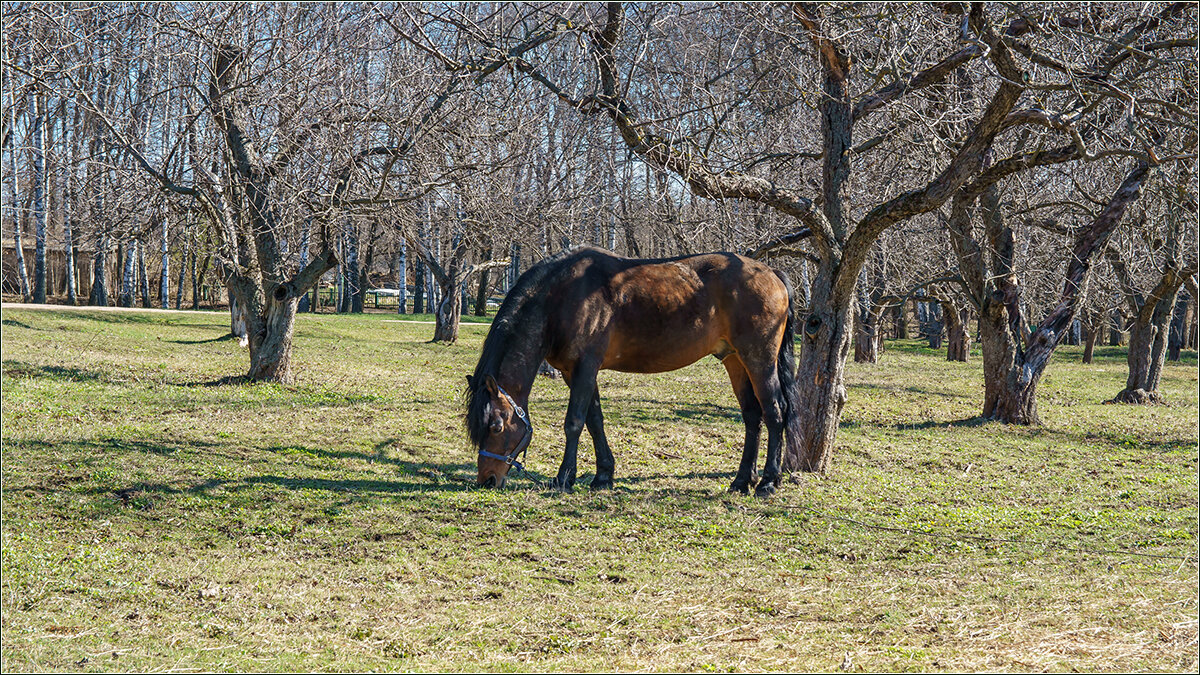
158,515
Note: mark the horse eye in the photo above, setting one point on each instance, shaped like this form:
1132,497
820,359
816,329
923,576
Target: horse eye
497,426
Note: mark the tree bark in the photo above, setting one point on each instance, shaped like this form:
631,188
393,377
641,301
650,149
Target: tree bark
1089,344
958,336
14,203
164,282
1180,320
128,255
1009,382
481,292
1116,336
237,319
183,266
39,198
70,229
99,295
401,278
821,372
418,287
449,313
143,277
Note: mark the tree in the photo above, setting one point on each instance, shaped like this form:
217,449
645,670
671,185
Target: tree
842,241
1095,108
1152,311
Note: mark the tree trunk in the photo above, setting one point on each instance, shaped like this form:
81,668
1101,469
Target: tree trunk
39,199
304,300
1089,345
195,279
449,312
271,329
1147,351
126,254
164,282
1179,322
14,208
821,374
958,337
1010,384
1140,355
419,287
401,278
481,293
866,342
934,325
69,255
69,221
900,321
237,319
183,266
99,294
22,274
1116,328
143,278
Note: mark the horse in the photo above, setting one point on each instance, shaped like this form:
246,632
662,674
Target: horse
586,309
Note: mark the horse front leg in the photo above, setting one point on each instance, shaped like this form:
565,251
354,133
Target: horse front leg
605,464
583,389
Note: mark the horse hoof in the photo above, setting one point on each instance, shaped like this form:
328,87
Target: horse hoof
765,490
601,484
740,488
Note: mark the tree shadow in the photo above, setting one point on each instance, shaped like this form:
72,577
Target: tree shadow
228,337
644,410
966,423
910,388
19,369
228,380
18,324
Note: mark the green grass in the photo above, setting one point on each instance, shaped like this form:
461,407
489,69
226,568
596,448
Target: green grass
159,515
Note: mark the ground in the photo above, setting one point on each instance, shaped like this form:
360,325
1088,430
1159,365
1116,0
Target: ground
159,514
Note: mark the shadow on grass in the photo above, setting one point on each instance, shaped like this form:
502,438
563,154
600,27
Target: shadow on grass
16,369
18,324
140,316
912,389
1108,439
967,423
228,337
228,380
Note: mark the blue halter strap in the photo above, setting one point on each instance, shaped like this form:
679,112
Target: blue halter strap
511,458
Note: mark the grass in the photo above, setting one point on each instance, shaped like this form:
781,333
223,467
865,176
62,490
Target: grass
157,514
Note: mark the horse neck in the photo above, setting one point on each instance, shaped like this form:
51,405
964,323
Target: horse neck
517,372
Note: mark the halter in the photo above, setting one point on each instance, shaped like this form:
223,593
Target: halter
511,458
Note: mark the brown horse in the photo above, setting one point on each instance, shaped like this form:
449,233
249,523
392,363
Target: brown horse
585,309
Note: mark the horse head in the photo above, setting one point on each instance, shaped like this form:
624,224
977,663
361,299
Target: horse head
507,434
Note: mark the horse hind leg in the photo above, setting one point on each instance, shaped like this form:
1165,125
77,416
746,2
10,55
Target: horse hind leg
769,392
752,417
605,464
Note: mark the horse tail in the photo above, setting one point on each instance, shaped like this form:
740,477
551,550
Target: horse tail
786,366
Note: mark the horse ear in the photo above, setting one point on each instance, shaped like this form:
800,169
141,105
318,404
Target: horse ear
492,387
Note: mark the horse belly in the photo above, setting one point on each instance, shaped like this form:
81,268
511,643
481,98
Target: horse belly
666,343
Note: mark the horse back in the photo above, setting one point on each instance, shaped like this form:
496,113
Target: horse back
660,315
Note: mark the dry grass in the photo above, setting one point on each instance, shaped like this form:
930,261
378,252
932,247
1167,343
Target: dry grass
157,517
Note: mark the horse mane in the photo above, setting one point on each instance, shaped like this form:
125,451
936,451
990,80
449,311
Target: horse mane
523,310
